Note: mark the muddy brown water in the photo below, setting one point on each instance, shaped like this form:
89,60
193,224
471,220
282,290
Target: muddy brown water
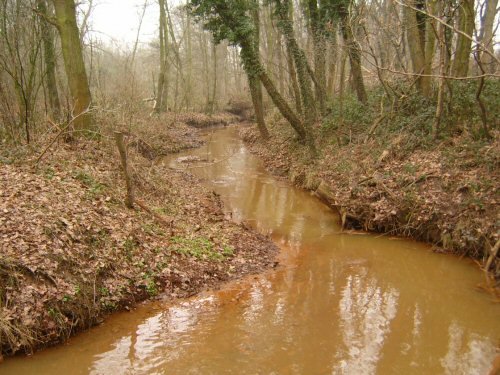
339,303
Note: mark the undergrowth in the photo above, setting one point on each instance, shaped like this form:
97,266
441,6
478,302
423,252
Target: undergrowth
200,248
405,111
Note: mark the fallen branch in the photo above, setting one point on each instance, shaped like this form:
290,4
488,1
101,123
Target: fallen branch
493,255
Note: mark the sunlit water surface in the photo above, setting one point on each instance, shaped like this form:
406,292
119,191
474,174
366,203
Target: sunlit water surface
339,303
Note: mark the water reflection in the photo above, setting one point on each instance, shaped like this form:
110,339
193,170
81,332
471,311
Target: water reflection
340,304
366,312
467,353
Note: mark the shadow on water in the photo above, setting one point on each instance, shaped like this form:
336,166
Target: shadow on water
339,304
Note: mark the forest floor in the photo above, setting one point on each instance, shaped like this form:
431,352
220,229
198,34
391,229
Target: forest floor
71,252
445,193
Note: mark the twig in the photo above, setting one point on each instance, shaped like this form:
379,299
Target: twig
450,27
486,75
129,200
63,129
53,140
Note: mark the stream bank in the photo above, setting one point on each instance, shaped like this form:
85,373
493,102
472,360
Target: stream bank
71,252
444,193
339,303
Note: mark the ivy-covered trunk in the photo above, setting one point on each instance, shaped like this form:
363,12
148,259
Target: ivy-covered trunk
254,67
253,80
286,26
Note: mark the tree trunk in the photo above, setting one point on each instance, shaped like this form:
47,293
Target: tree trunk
189,75
332,63
50,61
430,45
416,31
253,80
486,37
286,26
160,105
213,101
354,54
460,66
73,62
319,45
282,105
442,72
253,66
294,82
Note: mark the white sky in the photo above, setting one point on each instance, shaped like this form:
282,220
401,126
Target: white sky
118,20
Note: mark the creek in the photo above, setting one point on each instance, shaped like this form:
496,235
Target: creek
339,303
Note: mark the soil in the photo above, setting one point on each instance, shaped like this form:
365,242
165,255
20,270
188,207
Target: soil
445,194
71,252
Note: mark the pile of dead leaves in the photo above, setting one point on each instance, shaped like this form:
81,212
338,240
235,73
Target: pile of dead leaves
71,252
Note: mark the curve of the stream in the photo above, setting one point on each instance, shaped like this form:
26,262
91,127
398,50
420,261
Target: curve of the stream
339,304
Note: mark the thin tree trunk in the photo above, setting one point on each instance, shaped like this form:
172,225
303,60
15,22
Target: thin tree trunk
159,106
213,102
50,61
354,54
204,53
332,63
442,72
319,46
136,43
343,58
294,82
188,90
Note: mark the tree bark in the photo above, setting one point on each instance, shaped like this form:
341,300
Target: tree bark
160,105
319,45
460,66
50,61
253,66
442,72
430,46
73,61
308,104
415,35
332,64
486,37
354,53
294,82
253,80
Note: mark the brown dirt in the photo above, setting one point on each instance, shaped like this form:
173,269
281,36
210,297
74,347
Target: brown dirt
446,194
71,252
